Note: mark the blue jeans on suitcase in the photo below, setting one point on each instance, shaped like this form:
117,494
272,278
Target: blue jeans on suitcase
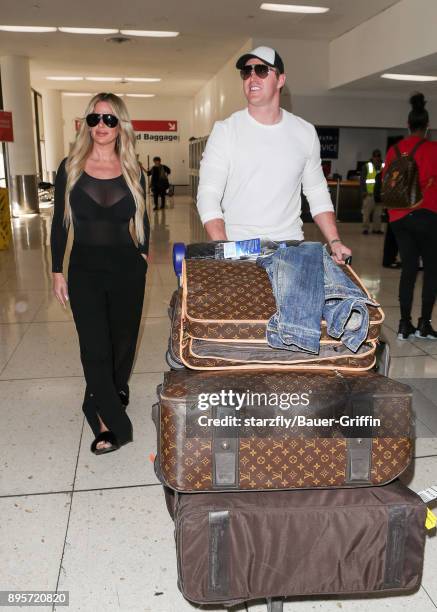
309,286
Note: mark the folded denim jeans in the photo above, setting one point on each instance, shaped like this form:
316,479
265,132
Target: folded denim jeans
309,286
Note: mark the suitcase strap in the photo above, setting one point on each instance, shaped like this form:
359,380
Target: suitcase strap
218,574
225,452
359,442
397,533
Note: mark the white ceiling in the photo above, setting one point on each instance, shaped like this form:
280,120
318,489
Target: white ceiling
211,32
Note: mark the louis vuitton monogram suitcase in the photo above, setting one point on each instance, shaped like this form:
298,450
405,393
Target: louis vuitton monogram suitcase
219,431
220,321
233,547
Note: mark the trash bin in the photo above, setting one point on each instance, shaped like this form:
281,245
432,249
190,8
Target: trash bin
5,220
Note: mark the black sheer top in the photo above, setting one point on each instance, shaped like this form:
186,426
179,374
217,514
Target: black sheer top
101,210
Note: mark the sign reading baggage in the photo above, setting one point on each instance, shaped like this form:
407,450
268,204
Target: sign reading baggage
6,128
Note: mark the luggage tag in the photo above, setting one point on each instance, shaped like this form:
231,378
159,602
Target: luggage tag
431,520
429,494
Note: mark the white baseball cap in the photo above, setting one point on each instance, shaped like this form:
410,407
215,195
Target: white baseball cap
265,54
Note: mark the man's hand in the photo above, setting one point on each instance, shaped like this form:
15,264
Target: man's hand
340,252
60,288
328,226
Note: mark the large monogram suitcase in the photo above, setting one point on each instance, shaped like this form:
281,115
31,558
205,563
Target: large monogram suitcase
220,321
276,438
237,546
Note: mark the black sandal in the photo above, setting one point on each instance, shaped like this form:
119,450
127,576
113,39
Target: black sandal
105,436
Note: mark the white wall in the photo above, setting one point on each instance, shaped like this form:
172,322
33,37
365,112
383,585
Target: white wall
220,97
174,154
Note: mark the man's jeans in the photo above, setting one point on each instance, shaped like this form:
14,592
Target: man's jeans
309,286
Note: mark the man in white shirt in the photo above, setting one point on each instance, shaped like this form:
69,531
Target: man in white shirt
256,162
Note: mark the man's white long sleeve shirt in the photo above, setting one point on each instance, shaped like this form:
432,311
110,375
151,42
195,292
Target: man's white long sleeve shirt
251,176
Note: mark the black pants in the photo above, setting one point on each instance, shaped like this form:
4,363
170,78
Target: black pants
416,235
390,247
159,192
106,289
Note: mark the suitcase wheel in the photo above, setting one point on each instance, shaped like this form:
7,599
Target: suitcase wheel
172,363
178,257
275,604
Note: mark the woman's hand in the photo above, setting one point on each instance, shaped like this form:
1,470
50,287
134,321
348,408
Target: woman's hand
60,288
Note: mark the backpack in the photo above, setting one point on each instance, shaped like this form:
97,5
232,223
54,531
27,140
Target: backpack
400,186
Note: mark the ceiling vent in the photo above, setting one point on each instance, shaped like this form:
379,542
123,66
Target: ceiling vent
118,39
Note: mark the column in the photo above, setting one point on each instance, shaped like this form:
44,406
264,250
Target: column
53,131
17,97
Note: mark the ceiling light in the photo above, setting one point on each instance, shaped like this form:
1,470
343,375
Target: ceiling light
292,8
120,95
112,79
408,77
140,95
77,93
88,30
7,28
153,33
142,79
64,78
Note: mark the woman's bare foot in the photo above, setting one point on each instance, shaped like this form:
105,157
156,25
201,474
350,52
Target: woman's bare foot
103,428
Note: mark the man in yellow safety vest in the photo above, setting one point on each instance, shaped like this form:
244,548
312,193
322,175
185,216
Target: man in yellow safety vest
368,175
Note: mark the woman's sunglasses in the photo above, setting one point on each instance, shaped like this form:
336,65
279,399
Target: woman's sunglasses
93,119
261,71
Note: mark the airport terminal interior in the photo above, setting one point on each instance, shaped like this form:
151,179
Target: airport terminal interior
97,526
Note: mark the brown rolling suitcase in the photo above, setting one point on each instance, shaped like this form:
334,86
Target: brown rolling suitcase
269,448
223,311
237,546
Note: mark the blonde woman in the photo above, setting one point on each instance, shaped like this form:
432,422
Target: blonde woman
100,191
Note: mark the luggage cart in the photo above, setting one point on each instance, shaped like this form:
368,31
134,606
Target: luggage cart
274,604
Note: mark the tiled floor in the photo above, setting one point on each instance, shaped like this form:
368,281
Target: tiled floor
98,526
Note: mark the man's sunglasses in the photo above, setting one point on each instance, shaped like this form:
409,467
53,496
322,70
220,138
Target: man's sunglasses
93,119
261,71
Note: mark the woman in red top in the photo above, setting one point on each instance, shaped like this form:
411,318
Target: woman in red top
416,230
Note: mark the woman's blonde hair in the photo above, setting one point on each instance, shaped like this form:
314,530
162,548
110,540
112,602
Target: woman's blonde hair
125,149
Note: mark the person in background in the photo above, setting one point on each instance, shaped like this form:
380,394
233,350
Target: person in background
159,181
257,161
100,190
369,172
415,229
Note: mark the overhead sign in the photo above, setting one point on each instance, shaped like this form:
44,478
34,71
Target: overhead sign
154,125
156,130
329,142
6,128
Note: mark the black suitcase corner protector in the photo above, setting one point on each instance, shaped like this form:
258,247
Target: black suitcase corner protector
397,532
218,574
